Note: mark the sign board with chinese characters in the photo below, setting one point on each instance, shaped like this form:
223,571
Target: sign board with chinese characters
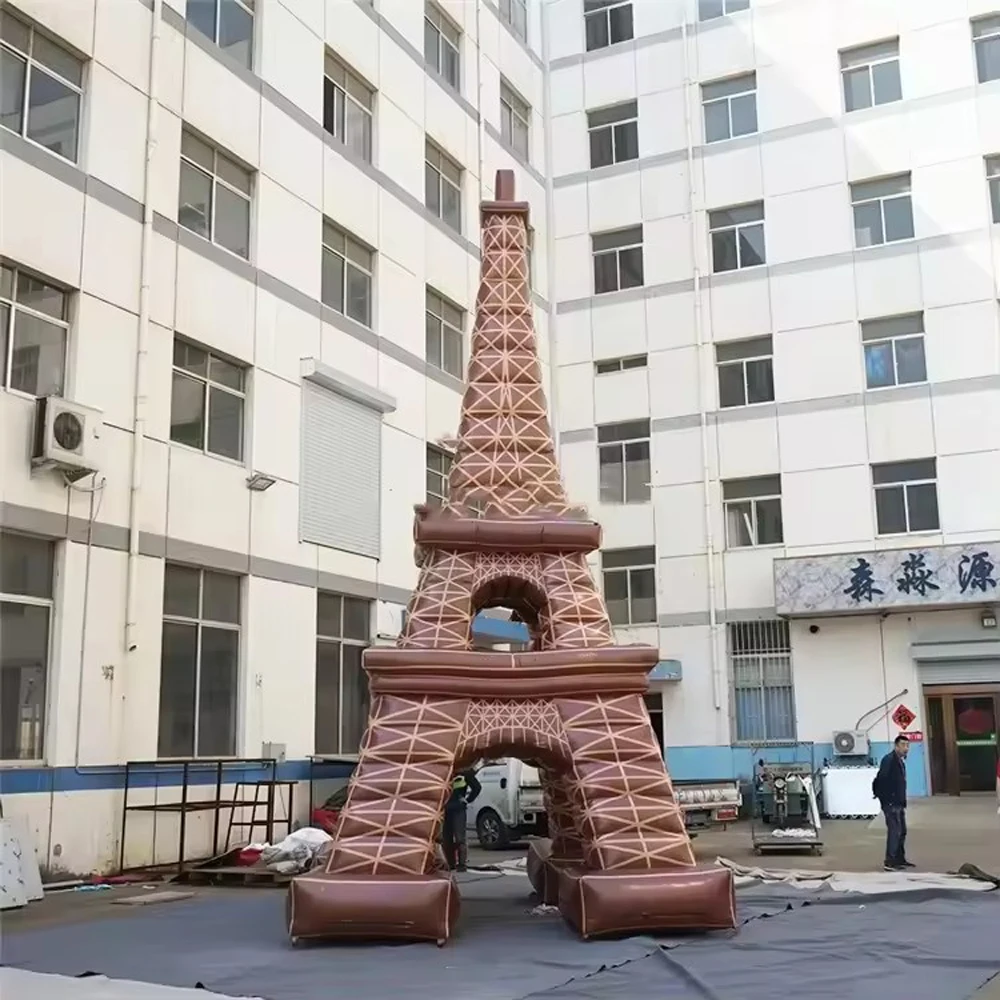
903,717
890,580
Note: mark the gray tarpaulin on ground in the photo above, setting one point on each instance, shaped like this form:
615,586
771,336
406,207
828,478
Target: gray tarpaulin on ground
931,944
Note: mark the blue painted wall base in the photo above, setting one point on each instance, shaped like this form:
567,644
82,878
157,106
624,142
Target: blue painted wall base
693,763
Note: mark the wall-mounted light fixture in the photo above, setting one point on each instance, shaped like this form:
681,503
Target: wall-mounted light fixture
258,482
989,619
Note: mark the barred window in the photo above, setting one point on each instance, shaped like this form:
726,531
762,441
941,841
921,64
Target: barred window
763,696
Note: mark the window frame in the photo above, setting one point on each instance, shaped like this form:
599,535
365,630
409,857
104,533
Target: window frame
993,186
432,299
866,57
249,6
208,384
636,242
904,486
617,439
32,65
514,109
628,363
330,228
631,120
738,229
729,89
774,654
985,33
332,62
216,178
647,565
13,307
726,11
431,151
736,347
200,623
508,16
447,460
48,603
756,490
877,333
439,23
860,200
341,641
601,10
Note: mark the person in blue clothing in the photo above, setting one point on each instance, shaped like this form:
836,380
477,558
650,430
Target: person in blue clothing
889,787
465,788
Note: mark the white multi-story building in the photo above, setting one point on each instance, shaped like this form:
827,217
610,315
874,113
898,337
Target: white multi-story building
765,265
777,346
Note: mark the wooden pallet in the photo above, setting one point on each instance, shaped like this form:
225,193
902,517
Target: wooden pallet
234,875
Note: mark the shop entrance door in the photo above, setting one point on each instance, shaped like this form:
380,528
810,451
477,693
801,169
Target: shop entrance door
962,738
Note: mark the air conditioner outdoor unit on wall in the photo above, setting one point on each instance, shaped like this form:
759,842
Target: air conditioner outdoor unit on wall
67,437
850,743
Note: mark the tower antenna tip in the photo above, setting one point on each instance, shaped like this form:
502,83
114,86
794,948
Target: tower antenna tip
504,187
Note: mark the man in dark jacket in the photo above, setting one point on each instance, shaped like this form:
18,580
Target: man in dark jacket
889,787
465,788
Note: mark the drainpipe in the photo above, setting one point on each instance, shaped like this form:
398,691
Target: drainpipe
550,257
142,340
481,128
703,376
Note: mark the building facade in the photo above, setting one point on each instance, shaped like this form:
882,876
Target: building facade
765,260
777,343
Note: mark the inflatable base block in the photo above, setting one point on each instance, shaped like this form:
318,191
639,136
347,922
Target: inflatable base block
647,902
332,906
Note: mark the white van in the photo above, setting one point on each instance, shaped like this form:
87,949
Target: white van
509,806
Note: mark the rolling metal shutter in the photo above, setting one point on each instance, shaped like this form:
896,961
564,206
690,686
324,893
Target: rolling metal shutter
960,672
341,489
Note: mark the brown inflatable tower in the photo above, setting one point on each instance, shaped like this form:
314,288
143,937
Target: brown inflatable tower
619,859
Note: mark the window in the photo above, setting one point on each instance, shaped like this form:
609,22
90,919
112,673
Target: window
871,75
347,108
443,187
228,23
607,22
26,575
199,663
708,10
737,237
629,577
617,260
206,402
445,340
41,87
439,465
33,330
515,120
894,350
614,134
623,457
760,663
611,365
347,275
906,496
746,372
730,107
883,211
214,196
343,630
993,179
753,512
986,35
441,45
514,13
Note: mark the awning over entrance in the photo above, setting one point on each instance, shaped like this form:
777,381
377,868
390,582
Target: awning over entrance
888,580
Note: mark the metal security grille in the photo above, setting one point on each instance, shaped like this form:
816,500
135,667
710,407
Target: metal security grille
763,696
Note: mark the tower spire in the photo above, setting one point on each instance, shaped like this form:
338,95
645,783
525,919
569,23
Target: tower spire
505,461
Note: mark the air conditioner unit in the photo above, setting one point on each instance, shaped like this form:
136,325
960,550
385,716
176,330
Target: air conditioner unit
67,437
850,743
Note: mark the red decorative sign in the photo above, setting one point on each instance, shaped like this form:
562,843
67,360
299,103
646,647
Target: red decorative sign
903,717
915,736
